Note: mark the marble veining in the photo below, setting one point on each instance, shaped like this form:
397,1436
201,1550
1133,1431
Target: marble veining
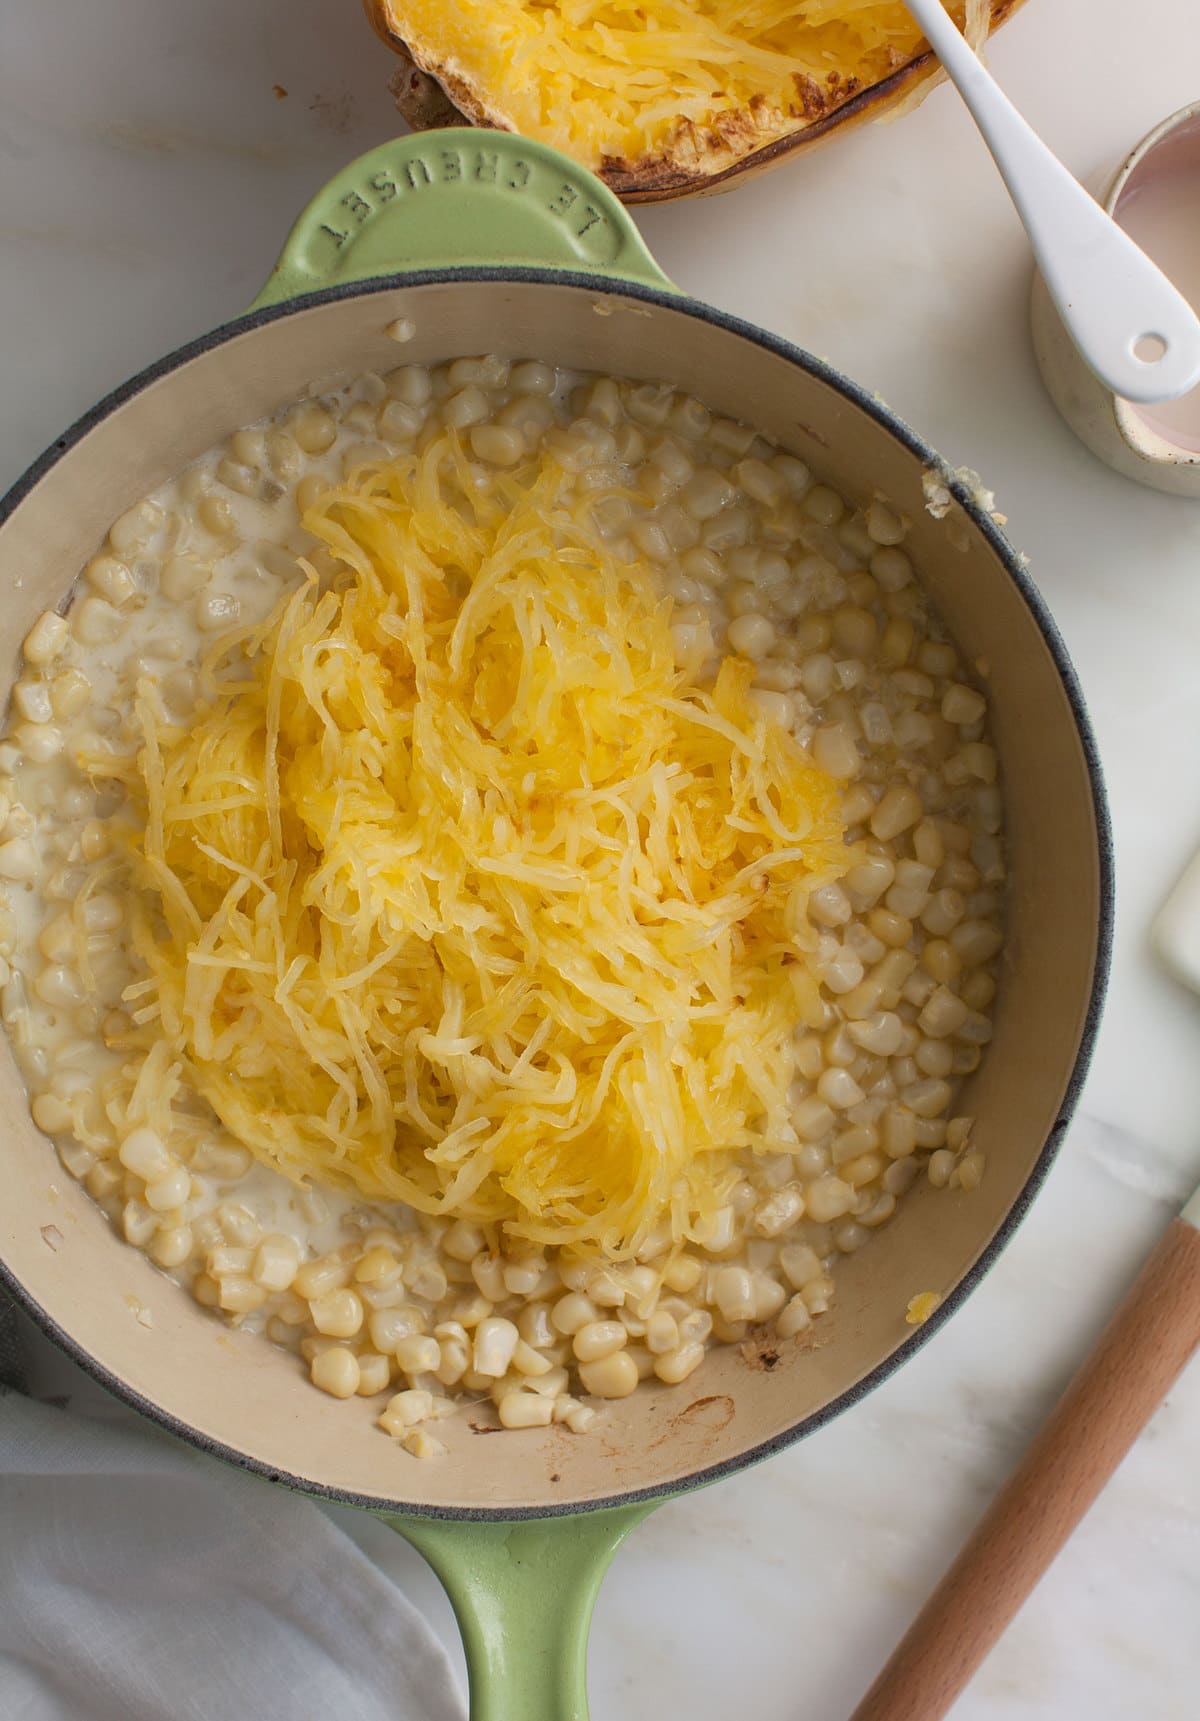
151,160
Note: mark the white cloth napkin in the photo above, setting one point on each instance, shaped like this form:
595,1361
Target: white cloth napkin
142,1581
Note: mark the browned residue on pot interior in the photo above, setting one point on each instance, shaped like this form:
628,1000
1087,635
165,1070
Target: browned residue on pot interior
697,1413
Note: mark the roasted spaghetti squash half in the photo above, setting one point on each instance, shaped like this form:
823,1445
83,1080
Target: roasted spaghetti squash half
663,98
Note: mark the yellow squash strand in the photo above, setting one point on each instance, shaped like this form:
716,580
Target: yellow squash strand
456,892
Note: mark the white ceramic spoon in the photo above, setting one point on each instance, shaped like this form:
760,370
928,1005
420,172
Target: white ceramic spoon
1131,326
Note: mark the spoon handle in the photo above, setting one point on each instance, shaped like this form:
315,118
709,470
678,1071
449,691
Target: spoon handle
1142,1351
1131,326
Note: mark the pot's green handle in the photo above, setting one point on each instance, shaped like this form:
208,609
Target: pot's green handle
523,1595
460,198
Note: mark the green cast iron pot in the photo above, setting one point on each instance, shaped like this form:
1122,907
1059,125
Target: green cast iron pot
475,242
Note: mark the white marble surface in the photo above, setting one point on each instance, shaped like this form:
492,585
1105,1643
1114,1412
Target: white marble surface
147,175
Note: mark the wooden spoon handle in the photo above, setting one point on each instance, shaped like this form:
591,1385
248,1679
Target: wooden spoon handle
1142,1351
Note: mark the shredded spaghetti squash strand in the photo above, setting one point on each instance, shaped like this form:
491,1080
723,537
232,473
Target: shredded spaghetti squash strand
456,892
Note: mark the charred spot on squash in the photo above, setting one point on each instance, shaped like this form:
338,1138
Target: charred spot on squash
813,102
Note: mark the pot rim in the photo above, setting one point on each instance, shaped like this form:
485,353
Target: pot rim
1016,571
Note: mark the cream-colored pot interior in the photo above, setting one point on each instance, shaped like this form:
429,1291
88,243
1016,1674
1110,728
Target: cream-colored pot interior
237,1392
